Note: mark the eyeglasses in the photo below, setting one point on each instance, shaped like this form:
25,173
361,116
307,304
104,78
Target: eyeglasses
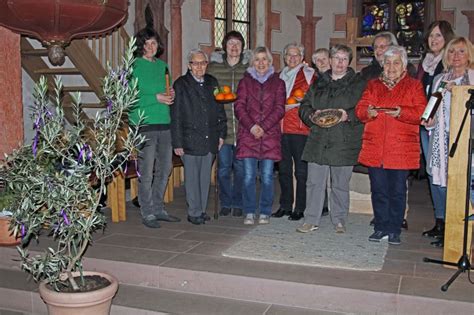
343,59
293,56
383,47
198,63
232,42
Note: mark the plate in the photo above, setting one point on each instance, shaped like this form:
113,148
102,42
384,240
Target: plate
291,106
327,118
384,109
226,101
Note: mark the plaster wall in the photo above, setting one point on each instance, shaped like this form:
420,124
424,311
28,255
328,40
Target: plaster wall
195,30
290,30
461,25
325,27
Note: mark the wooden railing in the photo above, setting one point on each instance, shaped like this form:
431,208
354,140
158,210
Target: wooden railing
109,48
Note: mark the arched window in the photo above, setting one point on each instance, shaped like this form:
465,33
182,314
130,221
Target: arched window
232,15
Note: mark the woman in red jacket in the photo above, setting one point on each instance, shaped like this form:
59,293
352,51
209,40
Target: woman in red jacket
390,107
259,109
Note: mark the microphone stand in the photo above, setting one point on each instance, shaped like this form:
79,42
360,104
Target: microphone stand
463,263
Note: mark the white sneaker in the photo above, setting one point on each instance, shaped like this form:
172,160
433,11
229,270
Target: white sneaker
306,228
249,219
263,219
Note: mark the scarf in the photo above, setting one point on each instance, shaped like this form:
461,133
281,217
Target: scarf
289,76
390,84
431,62
260,78
439,136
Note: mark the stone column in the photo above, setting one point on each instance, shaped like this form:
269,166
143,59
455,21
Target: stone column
308,29
176,38
470,19
11,105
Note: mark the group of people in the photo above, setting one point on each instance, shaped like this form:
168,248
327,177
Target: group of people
376,122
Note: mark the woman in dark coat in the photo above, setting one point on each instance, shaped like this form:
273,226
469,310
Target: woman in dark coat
259,108
198,130
391,108
332,151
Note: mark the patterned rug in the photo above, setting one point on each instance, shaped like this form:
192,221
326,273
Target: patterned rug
279,242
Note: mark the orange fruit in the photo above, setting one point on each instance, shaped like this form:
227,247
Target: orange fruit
291,100
226,89
234,95
299,93
229,96
220,96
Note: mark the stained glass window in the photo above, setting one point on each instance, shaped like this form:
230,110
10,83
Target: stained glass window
405,19
231,15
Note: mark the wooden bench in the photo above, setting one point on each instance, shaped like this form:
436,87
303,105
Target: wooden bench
116,188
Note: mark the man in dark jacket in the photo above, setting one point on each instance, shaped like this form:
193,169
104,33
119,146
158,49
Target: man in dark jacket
198,130
381,42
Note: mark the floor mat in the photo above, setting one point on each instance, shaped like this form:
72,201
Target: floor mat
279,242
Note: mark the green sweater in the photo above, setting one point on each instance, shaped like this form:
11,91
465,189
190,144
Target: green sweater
151,81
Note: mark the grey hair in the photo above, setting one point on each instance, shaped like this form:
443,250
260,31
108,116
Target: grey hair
261,49
196,51
392,40
293,45
340,47
396,50
318,52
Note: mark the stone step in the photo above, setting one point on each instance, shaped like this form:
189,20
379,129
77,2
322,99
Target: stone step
309,296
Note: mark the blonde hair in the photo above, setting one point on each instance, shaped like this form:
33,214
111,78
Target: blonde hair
455,41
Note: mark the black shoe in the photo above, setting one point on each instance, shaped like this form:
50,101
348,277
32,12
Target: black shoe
281,212
205,217
437,231
296,215
438,243
196,220
372,222
224,211
405,224
237,212
151,223
325,211
167,218
394,239
377,236
135,202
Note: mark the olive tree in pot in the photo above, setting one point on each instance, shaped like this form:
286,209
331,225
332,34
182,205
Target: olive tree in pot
58,181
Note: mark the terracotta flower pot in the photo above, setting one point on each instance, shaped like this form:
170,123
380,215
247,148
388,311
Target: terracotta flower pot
6,239
95,302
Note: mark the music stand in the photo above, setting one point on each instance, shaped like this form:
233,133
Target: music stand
463,263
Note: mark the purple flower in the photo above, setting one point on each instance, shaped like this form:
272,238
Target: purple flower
65,218
35,144
136,169
109,105
23,230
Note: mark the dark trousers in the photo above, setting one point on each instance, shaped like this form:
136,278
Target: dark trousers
292,147
389,194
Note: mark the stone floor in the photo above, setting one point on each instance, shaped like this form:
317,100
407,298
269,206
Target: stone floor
179,269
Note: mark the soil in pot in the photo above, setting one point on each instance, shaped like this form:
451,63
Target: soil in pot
91,283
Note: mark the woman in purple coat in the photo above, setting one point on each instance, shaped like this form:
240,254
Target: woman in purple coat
259,108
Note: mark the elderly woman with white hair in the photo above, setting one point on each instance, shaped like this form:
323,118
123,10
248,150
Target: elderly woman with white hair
198,130
390,107
259,108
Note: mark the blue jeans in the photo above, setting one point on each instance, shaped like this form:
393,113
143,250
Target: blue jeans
230,187
438,193
266,184
154,164
389,195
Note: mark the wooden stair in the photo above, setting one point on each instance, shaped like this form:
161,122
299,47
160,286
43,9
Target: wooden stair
88,57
